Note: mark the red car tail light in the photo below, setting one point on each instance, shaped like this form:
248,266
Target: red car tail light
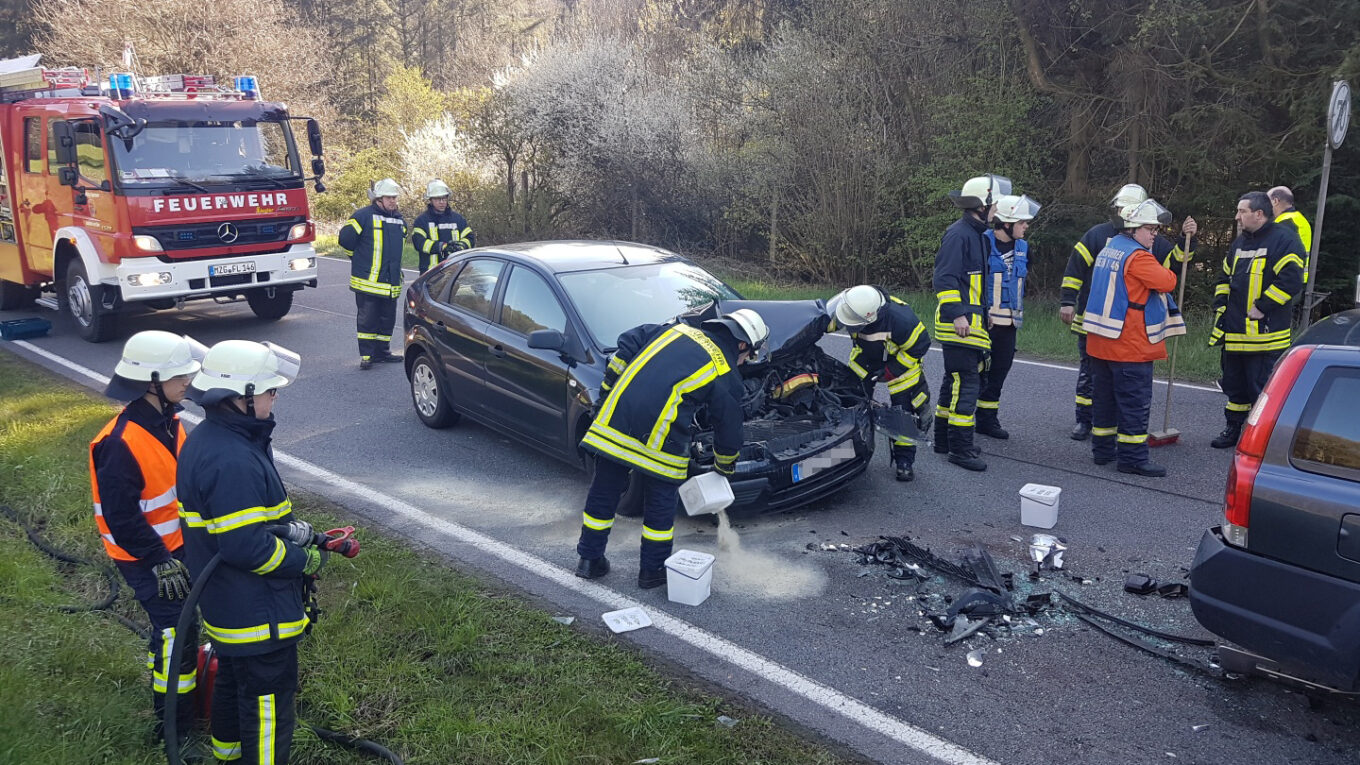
1251,447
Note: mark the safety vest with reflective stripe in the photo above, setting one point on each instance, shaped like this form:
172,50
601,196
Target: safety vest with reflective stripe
1304,229
1109,303
376,240
158,500
1006,283
1076,283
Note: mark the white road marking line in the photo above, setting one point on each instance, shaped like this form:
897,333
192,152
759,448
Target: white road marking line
823,695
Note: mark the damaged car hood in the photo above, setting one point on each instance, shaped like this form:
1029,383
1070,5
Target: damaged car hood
795,325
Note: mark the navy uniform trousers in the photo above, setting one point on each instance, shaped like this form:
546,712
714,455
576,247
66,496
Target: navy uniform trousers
1244,377
659,499
1120,403
164,615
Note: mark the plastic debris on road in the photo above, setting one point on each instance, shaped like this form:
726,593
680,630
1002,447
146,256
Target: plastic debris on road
1047,551
975,658
726,721
627,619
566,620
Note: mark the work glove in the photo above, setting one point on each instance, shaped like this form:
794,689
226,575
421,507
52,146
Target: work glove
315,560
300,533
172,579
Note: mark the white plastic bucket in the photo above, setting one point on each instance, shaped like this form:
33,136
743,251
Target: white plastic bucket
706,493
1039,505
689,577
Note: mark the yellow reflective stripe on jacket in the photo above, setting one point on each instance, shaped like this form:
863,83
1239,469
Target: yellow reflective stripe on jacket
612,443
257,634
1071,283
631,371
354,224
434,237
616,364
855,351
236,520
1085,254
1286,260
375,288
376,267
703,376
275,558
948,296
1277,294
1222,289
905,382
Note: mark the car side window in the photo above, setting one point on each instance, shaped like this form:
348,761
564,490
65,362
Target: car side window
530,304
33,148
475,286
438,283
1330,432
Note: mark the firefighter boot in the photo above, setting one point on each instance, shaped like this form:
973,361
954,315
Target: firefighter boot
961,449
592,568
1081,431
989,424
1228,438
903,457
649,578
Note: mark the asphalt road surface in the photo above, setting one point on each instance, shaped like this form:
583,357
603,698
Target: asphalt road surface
810,633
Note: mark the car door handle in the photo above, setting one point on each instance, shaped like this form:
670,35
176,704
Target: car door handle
498,351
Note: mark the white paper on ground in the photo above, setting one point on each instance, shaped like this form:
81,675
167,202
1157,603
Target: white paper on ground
627,619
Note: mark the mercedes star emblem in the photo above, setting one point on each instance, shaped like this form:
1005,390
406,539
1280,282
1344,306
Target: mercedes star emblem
228,232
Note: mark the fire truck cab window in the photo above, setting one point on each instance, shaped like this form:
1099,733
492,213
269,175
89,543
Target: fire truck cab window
33,148
89,150
205,153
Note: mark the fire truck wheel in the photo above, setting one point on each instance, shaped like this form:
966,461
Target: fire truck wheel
266,307
84,301
14,297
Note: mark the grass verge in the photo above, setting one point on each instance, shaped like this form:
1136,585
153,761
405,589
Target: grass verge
408,653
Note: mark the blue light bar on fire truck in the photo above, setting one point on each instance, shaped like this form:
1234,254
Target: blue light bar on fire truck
249,87
122,84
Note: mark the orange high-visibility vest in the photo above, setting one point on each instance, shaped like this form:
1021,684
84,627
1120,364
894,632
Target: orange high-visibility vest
159,503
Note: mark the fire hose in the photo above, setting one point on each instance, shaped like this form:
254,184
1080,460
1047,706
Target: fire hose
338,541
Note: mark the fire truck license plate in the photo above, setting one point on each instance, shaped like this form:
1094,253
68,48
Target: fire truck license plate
228,269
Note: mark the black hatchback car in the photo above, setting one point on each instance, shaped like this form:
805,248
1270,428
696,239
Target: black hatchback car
1281,576
516,337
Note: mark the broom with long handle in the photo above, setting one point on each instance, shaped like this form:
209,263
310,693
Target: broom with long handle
1169,435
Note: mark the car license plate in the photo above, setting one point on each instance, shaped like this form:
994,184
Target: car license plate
228,269
842,452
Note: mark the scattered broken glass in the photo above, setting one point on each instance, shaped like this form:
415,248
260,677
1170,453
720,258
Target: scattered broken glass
1047,551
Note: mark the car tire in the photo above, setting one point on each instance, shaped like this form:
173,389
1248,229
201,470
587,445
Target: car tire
429,396
15,297
84,303
271,308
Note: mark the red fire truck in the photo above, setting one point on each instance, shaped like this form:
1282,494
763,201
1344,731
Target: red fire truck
146,192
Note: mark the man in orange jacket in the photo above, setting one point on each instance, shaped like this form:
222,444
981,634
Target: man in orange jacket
132,476
1126,318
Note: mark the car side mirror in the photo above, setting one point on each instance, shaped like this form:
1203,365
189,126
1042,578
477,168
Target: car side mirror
547,340
318,167
68,176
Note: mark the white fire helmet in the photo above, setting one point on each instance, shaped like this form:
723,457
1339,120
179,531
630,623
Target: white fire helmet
1013,209
386,188
856,306
153,355
1128,194
745,325
982,191
1145,213
242,368
437,188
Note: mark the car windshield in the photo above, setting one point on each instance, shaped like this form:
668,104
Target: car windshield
614,300
199,152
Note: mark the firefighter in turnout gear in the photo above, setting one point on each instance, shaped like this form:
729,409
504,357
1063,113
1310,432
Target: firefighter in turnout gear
1260,279
375,236
1284,212
132,476
960,317
657,379
439,231
1007,267
1127,317
233,504
888,343
1076,285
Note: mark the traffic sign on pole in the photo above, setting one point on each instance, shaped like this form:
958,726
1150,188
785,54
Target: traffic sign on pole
1338,120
